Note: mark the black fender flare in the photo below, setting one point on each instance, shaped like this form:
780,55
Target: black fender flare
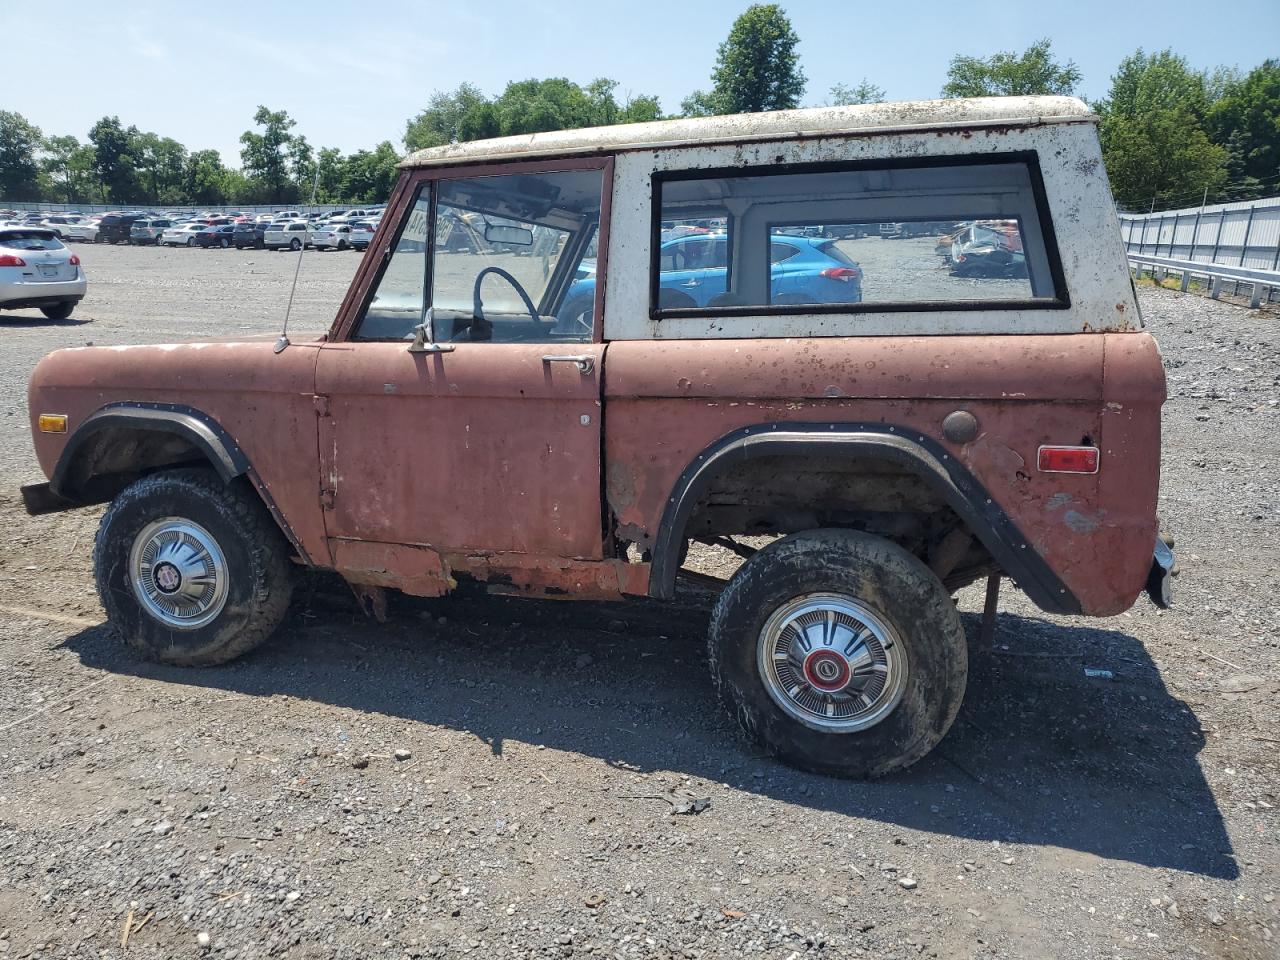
199,429
202,431
922,454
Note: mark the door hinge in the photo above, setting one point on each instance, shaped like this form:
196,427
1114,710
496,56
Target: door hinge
321,403
326,499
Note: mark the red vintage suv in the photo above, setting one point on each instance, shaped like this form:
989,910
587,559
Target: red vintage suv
881,443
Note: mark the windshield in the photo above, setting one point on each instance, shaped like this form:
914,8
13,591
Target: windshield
29,240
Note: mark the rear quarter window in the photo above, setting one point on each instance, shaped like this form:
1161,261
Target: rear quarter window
958,233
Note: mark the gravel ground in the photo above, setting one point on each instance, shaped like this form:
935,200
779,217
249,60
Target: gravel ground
500,778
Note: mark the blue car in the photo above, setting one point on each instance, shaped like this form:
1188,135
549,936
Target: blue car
694,270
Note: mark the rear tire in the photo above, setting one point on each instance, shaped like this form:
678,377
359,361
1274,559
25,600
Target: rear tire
216,550
805,697
295,244
59,311
222,242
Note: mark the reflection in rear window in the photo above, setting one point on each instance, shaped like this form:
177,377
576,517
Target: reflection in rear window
907,236
29,240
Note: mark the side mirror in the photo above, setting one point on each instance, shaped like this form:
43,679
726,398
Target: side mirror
424,340
501,233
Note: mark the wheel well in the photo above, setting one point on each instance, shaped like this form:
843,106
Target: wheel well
113,457
787,493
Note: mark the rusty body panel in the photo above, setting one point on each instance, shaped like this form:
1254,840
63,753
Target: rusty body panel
487,448
423,572
666,403
261,399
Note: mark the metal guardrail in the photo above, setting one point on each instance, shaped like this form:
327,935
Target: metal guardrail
1262,281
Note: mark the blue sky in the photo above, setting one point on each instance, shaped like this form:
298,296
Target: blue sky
352,72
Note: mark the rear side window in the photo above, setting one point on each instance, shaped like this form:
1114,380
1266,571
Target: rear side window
854,238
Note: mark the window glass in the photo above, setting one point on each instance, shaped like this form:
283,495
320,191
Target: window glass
855,238
29,240
397,306
499,237
521,246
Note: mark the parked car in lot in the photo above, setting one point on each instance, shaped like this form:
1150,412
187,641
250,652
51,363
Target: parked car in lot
695,269
144,232
991,249
37,270
115,227
248,233
217,236
84,228
184,234
335,235
362,232
891,448
294,235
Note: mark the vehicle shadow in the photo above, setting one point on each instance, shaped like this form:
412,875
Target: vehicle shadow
19,319
1040,754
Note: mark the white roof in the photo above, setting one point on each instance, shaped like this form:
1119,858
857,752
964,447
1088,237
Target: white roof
779,124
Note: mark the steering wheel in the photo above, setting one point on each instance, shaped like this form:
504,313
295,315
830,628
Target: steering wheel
479,322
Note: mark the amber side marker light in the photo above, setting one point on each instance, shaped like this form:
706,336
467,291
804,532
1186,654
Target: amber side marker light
1068,459
53,423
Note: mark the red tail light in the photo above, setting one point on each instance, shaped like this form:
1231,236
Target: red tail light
843,274
75,260
9,260
1068,459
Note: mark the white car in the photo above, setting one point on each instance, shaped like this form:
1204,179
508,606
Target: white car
37,270
295,235
362,232
183,235
69,226
336,235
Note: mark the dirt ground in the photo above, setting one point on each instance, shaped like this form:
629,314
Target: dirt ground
258,809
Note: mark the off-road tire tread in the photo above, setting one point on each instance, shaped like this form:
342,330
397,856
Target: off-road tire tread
903,590
244,511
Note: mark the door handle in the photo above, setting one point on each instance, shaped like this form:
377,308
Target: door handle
584,364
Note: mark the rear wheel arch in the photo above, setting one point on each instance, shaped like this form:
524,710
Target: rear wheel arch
124,441
925,459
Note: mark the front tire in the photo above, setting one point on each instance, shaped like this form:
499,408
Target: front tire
191,241
840,653
191,571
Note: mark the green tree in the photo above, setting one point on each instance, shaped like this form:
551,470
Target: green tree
160,165
19,172
205,179
843,95
1245,119
1008,74
757,67
58,164
369,175
265,156
331,167
1153,138
114,159
525,106
448,118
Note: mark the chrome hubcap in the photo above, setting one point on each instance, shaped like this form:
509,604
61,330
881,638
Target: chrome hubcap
179,573
832,663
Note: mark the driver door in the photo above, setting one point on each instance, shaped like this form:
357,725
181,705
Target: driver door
490,442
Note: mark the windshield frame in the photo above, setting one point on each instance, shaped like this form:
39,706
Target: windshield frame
405,194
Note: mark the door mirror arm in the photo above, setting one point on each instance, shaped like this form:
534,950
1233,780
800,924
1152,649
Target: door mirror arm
424,340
